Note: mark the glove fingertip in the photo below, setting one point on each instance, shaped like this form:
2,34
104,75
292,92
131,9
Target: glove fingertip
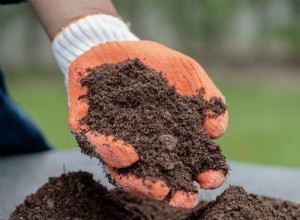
216,127
183,199
157,190
211,179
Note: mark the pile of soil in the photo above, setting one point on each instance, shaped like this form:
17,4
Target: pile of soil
236,203
134,103
77,196
289,209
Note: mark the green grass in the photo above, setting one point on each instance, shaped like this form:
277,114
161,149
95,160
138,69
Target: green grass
46,102
263,127
264,123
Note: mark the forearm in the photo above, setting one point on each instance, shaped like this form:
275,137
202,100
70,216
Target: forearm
55,14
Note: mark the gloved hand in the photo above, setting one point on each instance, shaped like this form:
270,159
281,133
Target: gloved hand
100,39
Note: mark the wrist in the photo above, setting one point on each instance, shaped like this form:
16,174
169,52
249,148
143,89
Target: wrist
85,33
56,14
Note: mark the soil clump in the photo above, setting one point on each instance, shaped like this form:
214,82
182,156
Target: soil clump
134,103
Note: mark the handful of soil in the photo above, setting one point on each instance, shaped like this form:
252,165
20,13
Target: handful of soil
77,196
134,103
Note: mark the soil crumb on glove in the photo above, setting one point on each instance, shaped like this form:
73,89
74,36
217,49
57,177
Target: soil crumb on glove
76,195
133,102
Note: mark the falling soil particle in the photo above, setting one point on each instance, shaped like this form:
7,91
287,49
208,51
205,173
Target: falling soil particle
77,196
134,103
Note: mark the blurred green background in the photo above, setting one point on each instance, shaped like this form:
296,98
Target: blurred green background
251,49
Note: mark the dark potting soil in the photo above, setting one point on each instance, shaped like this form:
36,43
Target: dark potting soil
77,196
289,209
133,102
236,203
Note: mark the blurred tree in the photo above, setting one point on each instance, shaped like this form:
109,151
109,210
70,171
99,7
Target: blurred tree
198,20
290,31
210,29
208,25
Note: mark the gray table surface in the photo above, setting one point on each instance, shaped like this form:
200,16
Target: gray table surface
24,174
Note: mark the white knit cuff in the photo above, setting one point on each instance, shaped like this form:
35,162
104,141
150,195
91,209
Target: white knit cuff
86,33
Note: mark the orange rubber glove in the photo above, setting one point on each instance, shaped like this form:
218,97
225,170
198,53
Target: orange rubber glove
180,70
